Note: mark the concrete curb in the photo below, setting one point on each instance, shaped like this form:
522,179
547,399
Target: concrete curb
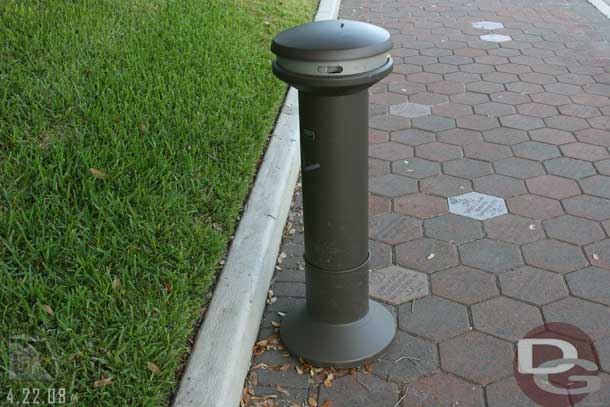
221,355
602,6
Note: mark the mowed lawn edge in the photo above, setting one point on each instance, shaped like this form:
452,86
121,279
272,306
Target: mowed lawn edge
129,137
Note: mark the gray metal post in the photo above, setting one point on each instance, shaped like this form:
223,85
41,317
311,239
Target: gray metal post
333,63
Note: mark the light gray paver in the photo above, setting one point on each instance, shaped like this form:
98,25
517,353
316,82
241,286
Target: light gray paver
397,285
487,25
496,37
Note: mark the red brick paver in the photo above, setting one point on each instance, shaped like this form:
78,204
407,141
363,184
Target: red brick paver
527,121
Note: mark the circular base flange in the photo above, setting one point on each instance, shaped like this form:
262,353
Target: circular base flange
343,345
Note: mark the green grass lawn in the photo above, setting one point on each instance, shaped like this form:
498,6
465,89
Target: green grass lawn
129,136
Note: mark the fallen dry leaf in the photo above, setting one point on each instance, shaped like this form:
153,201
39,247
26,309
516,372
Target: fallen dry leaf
45,140
328,382
102,382
168,288
260,366
312,402
327,403
245,398
48,309
153,368
272,342
272,339
253,378
285,367
97,173
275,324
368,366
116,283
269,397
282,390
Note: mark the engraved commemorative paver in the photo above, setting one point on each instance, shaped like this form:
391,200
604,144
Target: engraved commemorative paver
396,285
410,110
477,206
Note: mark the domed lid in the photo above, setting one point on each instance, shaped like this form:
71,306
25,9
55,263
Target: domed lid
331,40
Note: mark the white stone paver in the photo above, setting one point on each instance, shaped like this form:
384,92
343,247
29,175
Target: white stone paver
477,206
487,25
495,38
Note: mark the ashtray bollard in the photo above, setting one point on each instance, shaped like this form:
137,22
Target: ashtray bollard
332,64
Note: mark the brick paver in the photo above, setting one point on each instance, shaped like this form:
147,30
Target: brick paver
533,285
443,389
406,359
506,393
434,318
464,284
505,318
524,120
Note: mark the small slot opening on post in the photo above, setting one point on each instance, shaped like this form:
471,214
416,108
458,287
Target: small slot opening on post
330,69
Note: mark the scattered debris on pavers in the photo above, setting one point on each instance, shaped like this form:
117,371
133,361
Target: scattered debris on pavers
259,396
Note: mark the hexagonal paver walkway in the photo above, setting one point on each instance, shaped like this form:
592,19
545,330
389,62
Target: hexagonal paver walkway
489,204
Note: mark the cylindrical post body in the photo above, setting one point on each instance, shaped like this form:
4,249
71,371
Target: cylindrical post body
334,161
